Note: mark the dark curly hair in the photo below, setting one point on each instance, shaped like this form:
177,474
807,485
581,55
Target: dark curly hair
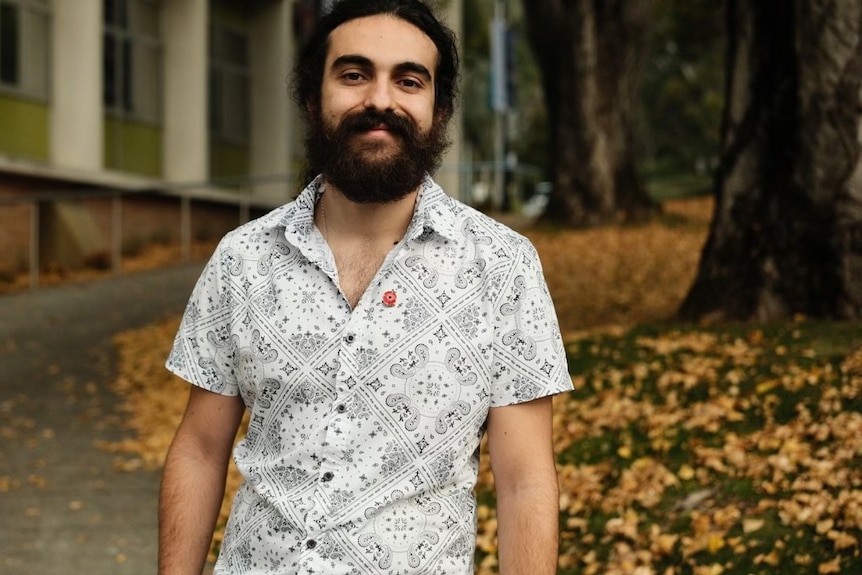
308,71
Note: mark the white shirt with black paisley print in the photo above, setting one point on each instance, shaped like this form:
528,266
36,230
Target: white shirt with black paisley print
362,448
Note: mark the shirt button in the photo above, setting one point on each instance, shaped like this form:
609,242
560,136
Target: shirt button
310,544
341,408
328,476
349,338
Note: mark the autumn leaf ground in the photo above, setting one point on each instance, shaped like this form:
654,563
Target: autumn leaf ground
684,449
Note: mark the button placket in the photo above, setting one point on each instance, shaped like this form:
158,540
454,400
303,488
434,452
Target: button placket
339,431
345,379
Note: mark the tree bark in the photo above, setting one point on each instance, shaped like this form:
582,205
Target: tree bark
590,53
786,237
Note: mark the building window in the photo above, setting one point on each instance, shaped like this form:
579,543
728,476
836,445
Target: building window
230,77
132,59
24,47
10,29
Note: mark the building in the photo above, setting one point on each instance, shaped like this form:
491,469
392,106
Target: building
129,121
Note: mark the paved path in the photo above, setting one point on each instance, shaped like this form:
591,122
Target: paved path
64,510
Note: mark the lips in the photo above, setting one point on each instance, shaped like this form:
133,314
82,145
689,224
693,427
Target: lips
377,129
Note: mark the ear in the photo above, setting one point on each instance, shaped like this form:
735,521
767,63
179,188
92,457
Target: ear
310,110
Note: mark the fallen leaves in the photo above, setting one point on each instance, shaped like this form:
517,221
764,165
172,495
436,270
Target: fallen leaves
765,475
153,399
649,267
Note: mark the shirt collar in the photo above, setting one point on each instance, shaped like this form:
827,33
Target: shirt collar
434,214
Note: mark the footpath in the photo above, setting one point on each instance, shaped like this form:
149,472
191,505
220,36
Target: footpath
64,508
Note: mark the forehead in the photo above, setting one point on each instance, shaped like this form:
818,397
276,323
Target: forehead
383,39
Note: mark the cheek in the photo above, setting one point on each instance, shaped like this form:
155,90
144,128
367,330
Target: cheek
424,118
332,107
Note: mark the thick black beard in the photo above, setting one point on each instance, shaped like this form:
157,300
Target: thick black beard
363,171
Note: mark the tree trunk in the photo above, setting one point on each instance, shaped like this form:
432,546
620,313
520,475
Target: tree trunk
590,53
786,237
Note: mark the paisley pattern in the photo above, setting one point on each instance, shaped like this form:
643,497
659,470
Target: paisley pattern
362,447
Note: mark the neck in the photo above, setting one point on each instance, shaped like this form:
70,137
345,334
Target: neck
344,220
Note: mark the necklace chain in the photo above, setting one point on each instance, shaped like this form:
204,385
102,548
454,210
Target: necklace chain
323,229
323,221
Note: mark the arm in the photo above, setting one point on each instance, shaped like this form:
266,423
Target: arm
522,459
193,481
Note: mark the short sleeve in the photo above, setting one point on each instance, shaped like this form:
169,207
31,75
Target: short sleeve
529,356
204,351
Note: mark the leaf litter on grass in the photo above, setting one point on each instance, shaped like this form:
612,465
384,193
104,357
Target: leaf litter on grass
681,450
707,452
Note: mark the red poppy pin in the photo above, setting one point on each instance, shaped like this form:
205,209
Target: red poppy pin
389,298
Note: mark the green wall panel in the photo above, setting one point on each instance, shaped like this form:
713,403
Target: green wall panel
133,147
23,128
235,15
228,160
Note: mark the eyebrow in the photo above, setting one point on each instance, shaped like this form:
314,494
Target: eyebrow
362,61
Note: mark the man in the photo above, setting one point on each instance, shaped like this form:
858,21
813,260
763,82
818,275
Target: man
375,329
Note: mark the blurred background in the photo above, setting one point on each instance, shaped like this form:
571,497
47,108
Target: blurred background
690,172
128,123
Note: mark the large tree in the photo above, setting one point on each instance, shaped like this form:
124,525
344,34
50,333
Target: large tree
786,237
591,56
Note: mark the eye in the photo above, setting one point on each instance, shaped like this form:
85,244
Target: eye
411,83
352,76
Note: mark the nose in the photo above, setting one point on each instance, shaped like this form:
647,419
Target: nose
379,95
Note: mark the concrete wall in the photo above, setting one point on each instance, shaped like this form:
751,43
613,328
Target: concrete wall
14,233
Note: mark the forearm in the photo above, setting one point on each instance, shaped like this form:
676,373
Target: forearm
528,528
189,502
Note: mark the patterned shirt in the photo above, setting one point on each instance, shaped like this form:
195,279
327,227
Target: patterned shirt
362,448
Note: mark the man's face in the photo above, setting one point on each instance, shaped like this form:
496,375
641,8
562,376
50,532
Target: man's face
375,133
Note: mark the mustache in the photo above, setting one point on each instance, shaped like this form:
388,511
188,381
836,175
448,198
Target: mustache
370,119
